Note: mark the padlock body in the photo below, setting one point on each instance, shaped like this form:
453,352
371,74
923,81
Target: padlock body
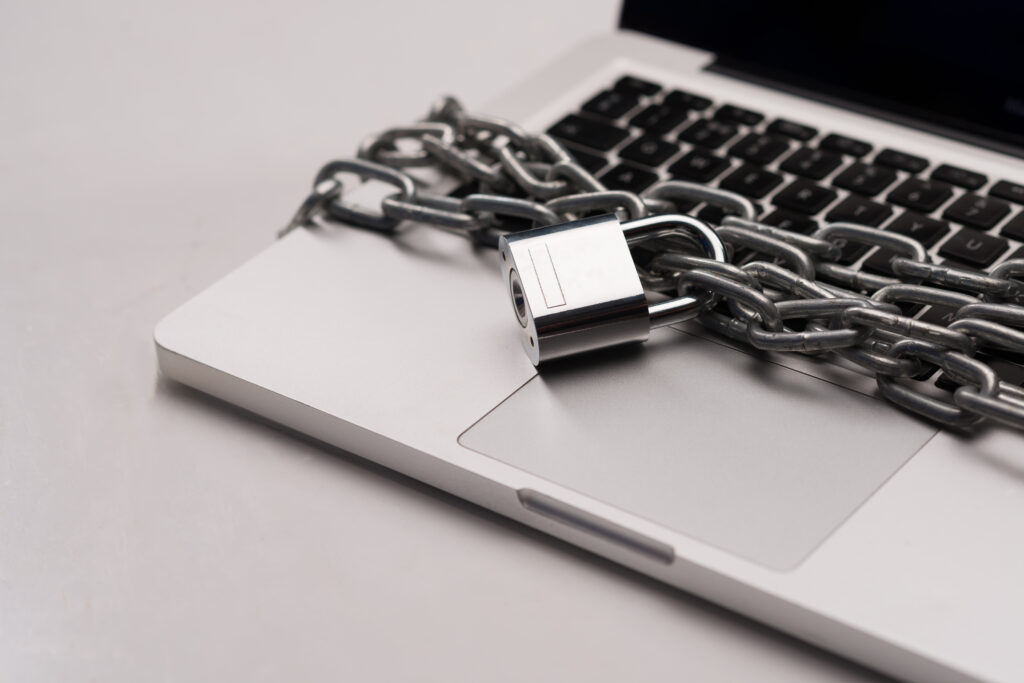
574,288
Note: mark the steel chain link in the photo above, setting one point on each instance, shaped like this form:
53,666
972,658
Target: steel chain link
846,313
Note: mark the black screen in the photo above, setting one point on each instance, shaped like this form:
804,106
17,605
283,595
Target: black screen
958,65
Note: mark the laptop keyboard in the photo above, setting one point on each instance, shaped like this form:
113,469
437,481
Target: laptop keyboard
799,177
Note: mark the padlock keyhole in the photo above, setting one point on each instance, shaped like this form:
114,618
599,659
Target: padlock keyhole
518,297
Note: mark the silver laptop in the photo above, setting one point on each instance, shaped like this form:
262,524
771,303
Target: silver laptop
780,488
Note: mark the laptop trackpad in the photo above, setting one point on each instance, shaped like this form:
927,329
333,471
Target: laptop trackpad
749,456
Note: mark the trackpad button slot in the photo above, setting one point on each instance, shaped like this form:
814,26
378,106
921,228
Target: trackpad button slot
746,455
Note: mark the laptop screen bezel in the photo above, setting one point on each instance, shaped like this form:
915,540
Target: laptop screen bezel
665,21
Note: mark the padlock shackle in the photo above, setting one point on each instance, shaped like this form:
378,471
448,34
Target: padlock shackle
682,308
652,227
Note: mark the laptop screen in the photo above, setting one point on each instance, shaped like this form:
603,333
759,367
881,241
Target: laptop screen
959,65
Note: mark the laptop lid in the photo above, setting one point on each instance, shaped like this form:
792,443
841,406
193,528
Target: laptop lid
949,66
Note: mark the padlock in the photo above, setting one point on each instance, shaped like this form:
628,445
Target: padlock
575,288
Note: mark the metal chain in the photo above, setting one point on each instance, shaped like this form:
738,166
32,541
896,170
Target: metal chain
850,316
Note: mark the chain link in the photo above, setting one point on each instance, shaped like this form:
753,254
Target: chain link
521,181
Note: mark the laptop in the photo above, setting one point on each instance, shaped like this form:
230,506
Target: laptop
781,488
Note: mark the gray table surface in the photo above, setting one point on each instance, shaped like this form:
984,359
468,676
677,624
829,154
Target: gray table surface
148,533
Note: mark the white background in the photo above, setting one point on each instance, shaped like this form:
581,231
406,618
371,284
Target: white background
149,534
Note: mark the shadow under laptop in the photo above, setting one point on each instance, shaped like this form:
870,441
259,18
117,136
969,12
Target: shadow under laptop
690,606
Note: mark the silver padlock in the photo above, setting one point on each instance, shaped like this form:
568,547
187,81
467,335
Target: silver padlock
575,288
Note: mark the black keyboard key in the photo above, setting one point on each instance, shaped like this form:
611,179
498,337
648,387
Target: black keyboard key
927,370
805,197
659,118
862,211
959,176
636,86
977,211
684,205
1014,228
591,162
686,100
751,181
589,133
708,133
759,149
649,151
465,189
734,114
849,251
865,179
712,214
939,315
790,129
1007,190
880,262
610,104
1019,254
901,160
716,214
910,310
925,230
921,195
628,177
946,384
845,145
1006,370
957,264
1007,366
792,221
698,166
811,163
973,248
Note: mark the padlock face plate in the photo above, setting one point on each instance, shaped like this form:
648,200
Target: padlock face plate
574,288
